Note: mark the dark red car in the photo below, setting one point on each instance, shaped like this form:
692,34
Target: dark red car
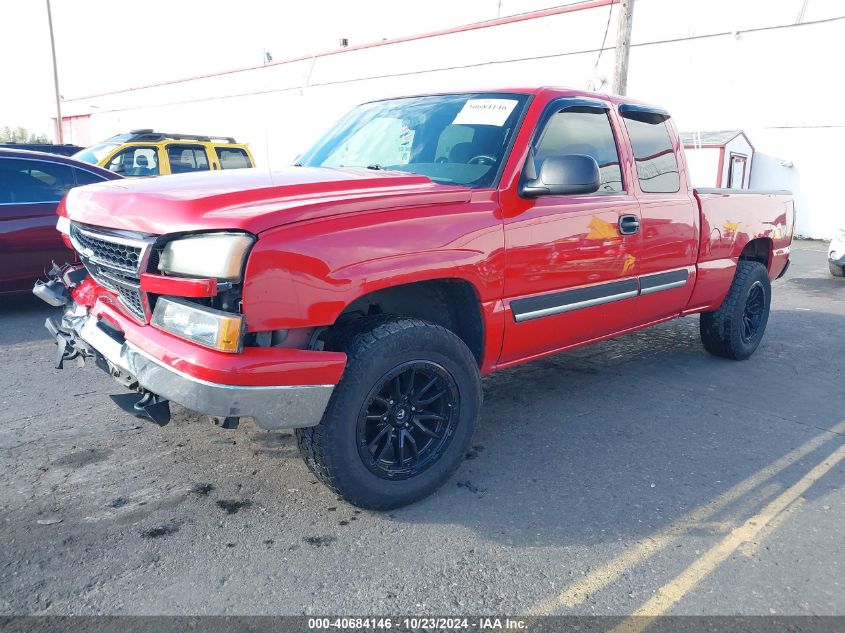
31,186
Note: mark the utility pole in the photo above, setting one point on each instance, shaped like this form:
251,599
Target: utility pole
59,132
623,45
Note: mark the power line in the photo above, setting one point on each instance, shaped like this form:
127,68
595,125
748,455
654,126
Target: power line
604,39
465,66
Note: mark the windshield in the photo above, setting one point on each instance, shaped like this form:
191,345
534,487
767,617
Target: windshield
453,139
95,153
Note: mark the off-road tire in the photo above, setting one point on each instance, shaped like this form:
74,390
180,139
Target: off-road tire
375,346
836,270
722,330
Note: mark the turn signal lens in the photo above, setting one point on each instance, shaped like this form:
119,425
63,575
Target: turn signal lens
218,330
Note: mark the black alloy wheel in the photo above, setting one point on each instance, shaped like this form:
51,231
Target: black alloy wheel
407,420
752,316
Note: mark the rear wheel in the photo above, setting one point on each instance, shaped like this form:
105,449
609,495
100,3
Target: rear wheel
737,327
836,270
401,418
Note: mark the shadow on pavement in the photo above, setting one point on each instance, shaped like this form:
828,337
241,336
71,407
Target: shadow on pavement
620,439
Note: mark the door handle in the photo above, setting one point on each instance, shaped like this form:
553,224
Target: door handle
629,224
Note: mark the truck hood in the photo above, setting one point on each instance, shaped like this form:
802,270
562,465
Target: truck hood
251,200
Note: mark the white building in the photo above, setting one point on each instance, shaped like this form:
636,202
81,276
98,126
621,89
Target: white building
719,159
768,67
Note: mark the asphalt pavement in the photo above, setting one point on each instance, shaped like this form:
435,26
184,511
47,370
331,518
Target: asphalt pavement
639,475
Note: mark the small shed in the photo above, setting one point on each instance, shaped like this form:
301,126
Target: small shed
719,159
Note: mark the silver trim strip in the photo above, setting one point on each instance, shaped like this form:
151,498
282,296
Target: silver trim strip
272,407
20,204
669,286
569,307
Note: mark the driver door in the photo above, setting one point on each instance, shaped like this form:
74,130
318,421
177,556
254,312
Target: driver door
570,271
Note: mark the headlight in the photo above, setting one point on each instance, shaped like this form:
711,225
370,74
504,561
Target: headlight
205,326
219,255
840,235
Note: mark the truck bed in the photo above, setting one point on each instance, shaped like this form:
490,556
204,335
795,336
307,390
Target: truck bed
730,219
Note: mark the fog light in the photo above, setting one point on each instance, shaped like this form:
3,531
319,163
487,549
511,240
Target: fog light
205,326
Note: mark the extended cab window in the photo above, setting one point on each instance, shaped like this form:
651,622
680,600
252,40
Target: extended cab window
582,131
657,165
135,161
233,158
453,139
185,158
27,181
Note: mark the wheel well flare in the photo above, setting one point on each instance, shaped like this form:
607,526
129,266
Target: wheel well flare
451,303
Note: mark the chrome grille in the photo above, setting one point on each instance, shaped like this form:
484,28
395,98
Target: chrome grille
122,256
116,262
132,299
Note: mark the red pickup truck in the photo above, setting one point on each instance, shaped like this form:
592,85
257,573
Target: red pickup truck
359,295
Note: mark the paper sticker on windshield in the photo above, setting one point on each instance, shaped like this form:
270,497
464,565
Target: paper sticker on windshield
485,112
406,140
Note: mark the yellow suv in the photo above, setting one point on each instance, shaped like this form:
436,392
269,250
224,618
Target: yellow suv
147,153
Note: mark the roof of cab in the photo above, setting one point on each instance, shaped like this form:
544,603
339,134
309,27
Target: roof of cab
561,91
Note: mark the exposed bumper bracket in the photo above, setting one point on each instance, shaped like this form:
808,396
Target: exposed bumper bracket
147,405
272,407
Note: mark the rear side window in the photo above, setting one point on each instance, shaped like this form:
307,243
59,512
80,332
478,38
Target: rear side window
583,131
28,181
186,158
657,165
233,158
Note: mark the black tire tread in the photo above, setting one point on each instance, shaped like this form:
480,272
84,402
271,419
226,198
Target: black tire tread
715,327
356,339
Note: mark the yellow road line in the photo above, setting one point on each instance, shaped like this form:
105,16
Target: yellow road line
750,548
611,571
671,593
747,506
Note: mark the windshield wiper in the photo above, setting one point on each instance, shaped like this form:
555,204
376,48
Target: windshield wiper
376,167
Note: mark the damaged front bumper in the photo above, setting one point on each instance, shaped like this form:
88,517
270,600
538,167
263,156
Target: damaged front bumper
80,334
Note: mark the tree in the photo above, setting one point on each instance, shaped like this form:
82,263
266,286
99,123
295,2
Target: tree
21,135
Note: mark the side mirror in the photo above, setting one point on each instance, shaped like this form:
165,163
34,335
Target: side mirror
562,175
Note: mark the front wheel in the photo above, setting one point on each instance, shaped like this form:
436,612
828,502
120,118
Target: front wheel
736,328
401,419
836,270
